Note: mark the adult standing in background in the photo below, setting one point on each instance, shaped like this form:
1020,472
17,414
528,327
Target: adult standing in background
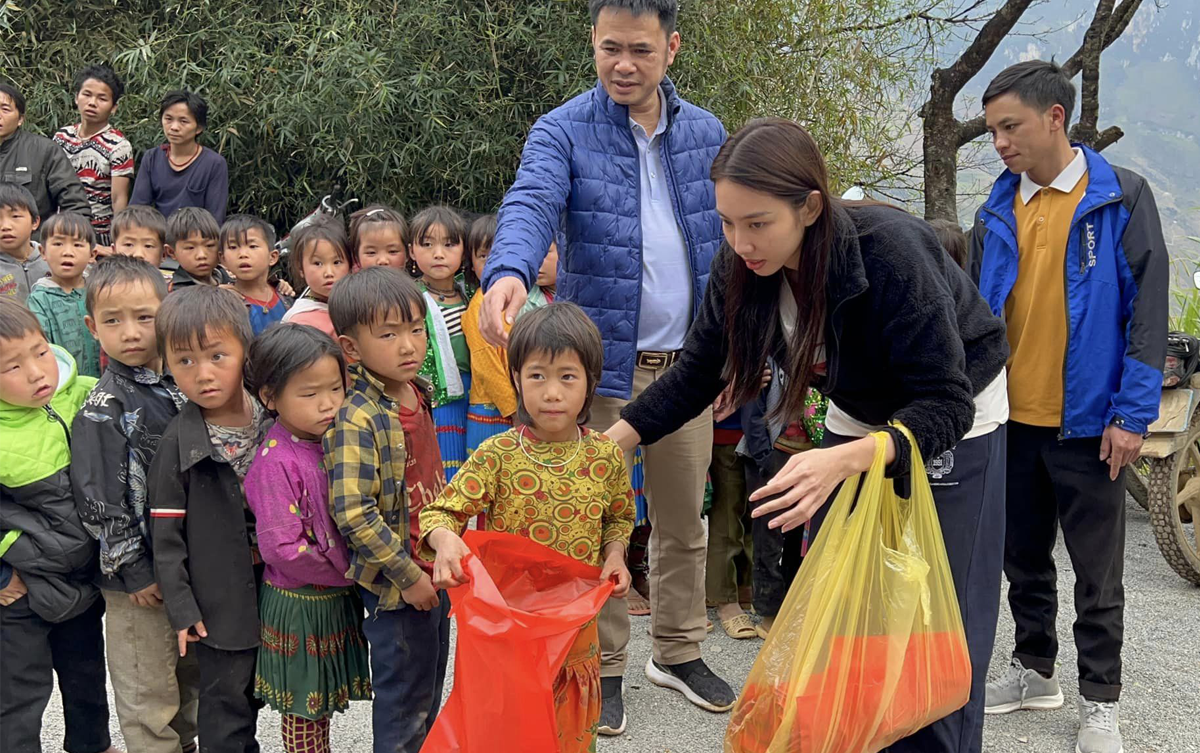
35,162
1070,251
624,169
101,155
182,172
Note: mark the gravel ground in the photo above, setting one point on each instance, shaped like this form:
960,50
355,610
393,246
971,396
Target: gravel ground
1161,707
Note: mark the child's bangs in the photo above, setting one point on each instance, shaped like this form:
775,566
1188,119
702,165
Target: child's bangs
451,222
69,225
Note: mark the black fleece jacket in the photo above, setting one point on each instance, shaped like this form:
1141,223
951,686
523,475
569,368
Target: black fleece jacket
908,338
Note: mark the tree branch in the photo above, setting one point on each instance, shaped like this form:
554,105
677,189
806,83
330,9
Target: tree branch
1089,56
948,82
969,130
1115,23
1107,138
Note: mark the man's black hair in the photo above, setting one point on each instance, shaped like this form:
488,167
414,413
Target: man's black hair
14,94
666,10
13,196
368,296
1040,84
105,75
195,105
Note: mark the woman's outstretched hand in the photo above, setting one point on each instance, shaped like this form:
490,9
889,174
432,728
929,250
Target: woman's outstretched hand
808,479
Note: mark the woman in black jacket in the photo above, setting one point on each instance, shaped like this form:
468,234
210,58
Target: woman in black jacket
861,302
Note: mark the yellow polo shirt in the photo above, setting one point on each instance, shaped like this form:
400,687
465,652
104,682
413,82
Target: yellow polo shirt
1036,309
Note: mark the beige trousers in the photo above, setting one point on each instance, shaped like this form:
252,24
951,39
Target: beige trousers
674,468
156,691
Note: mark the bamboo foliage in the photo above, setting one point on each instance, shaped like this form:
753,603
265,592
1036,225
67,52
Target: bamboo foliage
416,102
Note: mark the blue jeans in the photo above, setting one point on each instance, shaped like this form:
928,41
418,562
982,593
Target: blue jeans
409,652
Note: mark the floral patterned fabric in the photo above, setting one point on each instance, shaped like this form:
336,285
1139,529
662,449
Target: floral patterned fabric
313,658
574,508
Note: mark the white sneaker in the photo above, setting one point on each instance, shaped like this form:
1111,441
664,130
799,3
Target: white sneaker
1019,688
1099,727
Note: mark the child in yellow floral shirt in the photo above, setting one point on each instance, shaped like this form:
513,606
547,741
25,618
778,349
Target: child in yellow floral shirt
552,481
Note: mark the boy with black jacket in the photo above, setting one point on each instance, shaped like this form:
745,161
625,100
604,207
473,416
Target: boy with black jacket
202,532
115,436
50,609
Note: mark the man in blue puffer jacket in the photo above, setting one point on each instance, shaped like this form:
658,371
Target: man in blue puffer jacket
623,170
1069,250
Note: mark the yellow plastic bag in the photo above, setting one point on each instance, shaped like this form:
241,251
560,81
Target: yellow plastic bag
869,646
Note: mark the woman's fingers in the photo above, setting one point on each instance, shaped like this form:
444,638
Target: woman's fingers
782,502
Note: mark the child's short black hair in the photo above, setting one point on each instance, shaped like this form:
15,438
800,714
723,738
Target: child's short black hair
14,94
71,224
187,315
139,215
188,221
105,75
1040,84
16,320
450,220
953,239
481,235
119,269
366,297
195,105
236,227
370,218
280,352
556,328
327,230
14,196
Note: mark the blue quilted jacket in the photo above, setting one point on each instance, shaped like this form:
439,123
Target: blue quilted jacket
579,173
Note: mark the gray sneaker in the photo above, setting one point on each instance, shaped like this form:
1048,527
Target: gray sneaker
1019,688
1099,727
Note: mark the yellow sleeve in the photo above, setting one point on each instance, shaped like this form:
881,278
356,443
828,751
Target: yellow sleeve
470,493
619,509
489,364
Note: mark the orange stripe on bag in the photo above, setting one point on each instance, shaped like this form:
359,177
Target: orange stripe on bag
868,646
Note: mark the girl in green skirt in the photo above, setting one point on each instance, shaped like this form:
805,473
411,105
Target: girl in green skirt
313,657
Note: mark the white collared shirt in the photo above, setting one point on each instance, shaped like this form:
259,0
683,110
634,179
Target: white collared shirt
1065,182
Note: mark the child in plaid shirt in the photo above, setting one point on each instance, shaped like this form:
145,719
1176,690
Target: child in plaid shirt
379,316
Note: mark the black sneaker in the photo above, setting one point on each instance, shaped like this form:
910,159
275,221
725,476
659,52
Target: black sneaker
612,707
696,681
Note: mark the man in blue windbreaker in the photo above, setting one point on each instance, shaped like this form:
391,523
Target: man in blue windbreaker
1069,250
623,171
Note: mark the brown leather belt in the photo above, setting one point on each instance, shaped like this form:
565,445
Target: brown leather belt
656,360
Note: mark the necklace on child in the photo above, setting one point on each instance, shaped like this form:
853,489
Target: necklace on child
439,294
551,463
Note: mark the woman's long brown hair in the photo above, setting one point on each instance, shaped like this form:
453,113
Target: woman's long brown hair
777,157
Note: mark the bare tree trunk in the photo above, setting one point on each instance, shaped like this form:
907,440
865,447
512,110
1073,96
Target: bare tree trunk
944,134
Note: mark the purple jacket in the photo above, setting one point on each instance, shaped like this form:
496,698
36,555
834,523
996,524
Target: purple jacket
288,492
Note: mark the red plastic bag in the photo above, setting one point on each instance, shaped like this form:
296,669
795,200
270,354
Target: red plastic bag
517,618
